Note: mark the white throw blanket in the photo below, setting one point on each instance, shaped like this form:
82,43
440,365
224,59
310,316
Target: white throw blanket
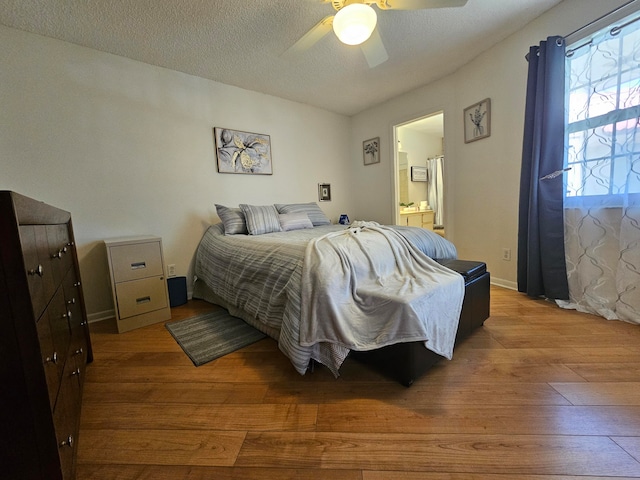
367,287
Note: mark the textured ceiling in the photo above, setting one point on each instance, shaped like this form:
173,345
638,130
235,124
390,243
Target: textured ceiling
241,42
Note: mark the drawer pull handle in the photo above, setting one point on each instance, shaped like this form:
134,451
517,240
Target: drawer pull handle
78,351
52,359
67,442
77,284
58,254
82,324
72,301
75,372
37,271
137,265
67,315
143,300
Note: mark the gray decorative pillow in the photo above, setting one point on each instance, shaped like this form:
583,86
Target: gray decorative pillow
261,219
232,219
294,221
312,210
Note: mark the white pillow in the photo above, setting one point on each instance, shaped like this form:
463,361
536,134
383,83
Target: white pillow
312,210
294,221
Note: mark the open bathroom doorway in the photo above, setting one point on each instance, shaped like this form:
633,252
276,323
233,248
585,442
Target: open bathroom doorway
420,156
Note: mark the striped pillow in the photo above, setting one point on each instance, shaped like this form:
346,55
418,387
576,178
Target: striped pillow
232,219
294,221
261,219
312,210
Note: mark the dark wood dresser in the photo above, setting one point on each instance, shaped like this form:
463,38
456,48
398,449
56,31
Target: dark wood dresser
44,341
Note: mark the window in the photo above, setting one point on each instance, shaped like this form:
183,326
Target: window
603,113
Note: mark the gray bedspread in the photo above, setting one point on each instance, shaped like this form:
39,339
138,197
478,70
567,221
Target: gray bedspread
261,275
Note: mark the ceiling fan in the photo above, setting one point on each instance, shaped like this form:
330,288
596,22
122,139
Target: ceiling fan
355,24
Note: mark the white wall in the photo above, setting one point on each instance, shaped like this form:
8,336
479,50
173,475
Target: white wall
128,149
481,178
419,147
379,121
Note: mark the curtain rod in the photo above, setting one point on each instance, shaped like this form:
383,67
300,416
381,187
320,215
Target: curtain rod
614,30
612,12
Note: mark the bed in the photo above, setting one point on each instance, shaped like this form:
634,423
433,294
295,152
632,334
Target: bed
308,288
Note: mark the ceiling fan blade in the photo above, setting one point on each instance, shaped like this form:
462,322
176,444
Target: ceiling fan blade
374,50
312,37
418,4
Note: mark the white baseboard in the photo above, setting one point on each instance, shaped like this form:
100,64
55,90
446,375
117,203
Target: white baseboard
107,314
499,282
99,316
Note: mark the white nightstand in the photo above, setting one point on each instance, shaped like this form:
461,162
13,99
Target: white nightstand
138,283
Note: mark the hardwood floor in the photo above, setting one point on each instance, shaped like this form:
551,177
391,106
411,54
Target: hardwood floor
537,393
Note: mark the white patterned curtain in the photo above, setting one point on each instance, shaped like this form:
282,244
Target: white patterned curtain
602,197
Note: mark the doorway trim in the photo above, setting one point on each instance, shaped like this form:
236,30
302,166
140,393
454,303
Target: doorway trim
395,164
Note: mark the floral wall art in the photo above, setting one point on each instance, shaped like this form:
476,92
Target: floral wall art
243,152
477,121
371,151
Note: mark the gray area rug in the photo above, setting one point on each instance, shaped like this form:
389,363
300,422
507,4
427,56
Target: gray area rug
211,335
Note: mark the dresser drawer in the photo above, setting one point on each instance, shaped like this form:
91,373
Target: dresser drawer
51,359
77,323
63,419
59,325
37,262
65,416
141,296
60,250
132,262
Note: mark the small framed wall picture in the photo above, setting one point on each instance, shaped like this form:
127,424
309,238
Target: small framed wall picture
418,174
477,121
324,192
371,151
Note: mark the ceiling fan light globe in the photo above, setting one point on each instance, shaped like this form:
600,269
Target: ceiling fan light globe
354,23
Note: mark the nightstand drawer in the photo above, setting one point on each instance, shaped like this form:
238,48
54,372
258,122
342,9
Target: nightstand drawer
132,262
141,296
427,220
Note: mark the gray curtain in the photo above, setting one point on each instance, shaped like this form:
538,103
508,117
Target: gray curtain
541,258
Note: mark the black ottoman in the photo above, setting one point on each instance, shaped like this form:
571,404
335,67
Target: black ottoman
475,307
405,362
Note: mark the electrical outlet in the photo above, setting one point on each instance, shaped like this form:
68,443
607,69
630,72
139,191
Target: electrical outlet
171,270
506,254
